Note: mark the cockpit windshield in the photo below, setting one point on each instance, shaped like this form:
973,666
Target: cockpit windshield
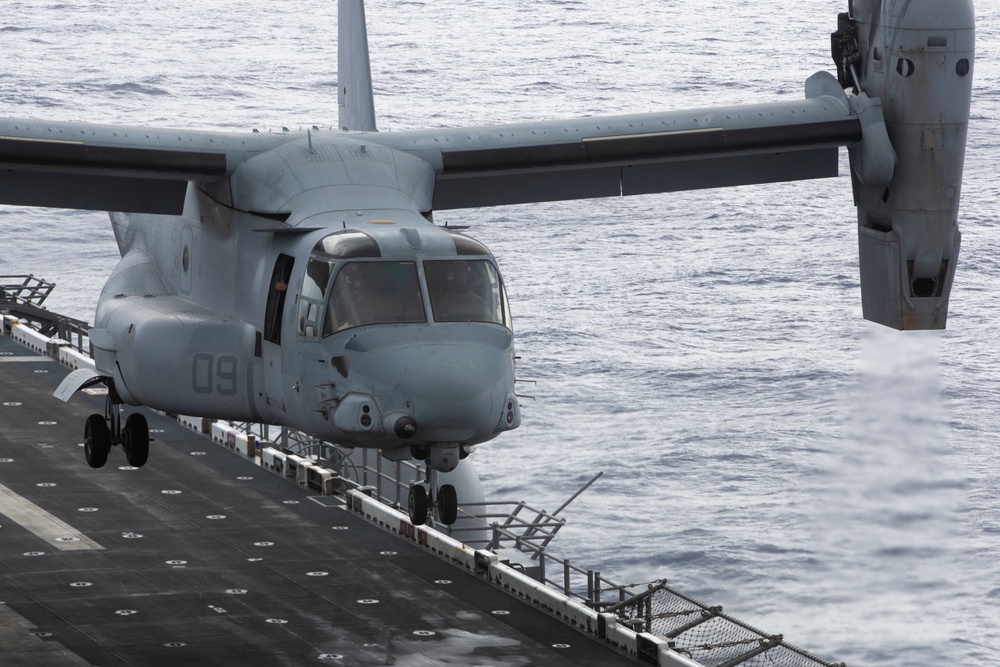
466,291
378,292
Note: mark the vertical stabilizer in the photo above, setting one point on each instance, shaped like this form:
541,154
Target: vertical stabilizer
354,85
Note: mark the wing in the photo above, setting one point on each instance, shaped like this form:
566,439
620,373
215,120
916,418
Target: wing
109,168
637,154
100,167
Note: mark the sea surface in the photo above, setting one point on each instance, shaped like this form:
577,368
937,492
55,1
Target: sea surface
763,447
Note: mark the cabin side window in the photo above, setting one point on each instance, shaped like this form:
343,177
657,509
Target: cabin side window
466,291
313,295
374,293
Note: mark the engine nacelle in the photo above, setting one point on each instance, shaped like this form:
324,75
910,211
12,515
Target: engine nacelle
917,58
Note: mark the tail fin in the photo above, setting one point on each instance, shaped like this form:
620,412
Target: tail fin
354,85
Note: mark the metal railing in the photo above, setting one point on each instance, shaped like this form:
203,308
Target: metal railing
25,289
389,481
23,296
520,535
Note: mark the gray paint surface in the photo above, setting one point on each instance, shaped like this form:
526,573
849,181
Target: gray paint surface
186,323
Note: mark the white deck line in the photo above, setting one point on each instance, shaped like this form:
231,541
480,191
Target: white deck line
54,531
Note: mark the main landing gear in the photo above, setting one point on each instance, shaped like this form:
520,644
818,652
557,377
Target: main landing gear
99,437
420,502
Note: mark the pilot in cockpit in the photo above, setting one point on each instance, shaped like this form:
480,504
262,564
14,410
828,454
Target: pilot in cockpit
376,293
357,299
456,299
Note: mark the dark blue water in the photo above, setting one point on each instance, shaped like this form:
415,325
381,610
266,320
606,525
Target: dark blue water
763,447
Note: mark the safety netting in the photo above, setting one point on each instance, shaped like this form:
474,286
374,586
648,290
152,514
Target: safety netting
704,633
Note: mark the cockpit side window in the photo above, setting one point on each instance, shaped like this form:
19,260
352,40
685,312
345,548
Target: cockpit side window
466,291
374,293
313,295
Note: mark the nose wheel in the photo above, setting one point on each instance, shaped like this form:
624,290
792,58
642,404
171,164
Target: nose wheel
447,504
420,503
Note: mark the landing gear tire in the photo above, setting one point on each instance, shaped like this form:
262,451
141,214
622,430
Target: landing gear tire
418,505
135,440
447,504
96,441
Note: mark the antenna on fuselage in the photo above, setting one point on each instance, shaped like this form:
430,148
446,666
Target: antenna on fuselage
354,76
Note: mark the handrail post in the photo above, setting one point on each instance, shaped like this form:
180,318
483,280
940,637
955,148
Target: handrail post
399,484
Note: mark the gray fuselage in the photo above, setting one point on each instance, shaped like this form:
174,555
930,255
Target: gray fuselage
327,302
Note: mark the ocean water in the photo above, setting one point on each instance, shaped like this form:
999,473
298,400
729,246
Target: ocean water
763,447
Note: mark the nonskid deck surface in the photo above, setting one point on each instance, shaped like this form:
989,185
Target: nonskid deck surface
202,557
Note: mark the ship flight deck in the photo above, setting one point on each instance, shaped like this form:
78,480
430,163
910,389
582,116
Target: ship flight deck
202,557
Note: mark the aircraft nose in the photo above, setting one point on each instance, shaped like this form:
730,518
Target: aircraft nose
454,392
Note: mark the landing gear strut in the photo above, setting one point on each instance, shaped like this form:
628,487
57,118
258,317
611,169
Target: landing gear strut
99,437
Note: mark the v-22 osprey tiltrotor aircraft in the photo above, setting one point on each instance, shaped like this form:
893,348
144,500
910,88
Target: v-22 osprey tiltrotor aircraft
299,278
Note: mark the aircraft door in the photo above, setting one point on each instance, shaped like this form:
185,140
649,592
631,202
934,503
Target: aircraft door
274,309
277,290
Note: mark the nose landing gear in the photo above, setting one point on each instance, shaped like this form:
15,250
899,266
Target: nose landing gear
440,457
420,501
99,437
